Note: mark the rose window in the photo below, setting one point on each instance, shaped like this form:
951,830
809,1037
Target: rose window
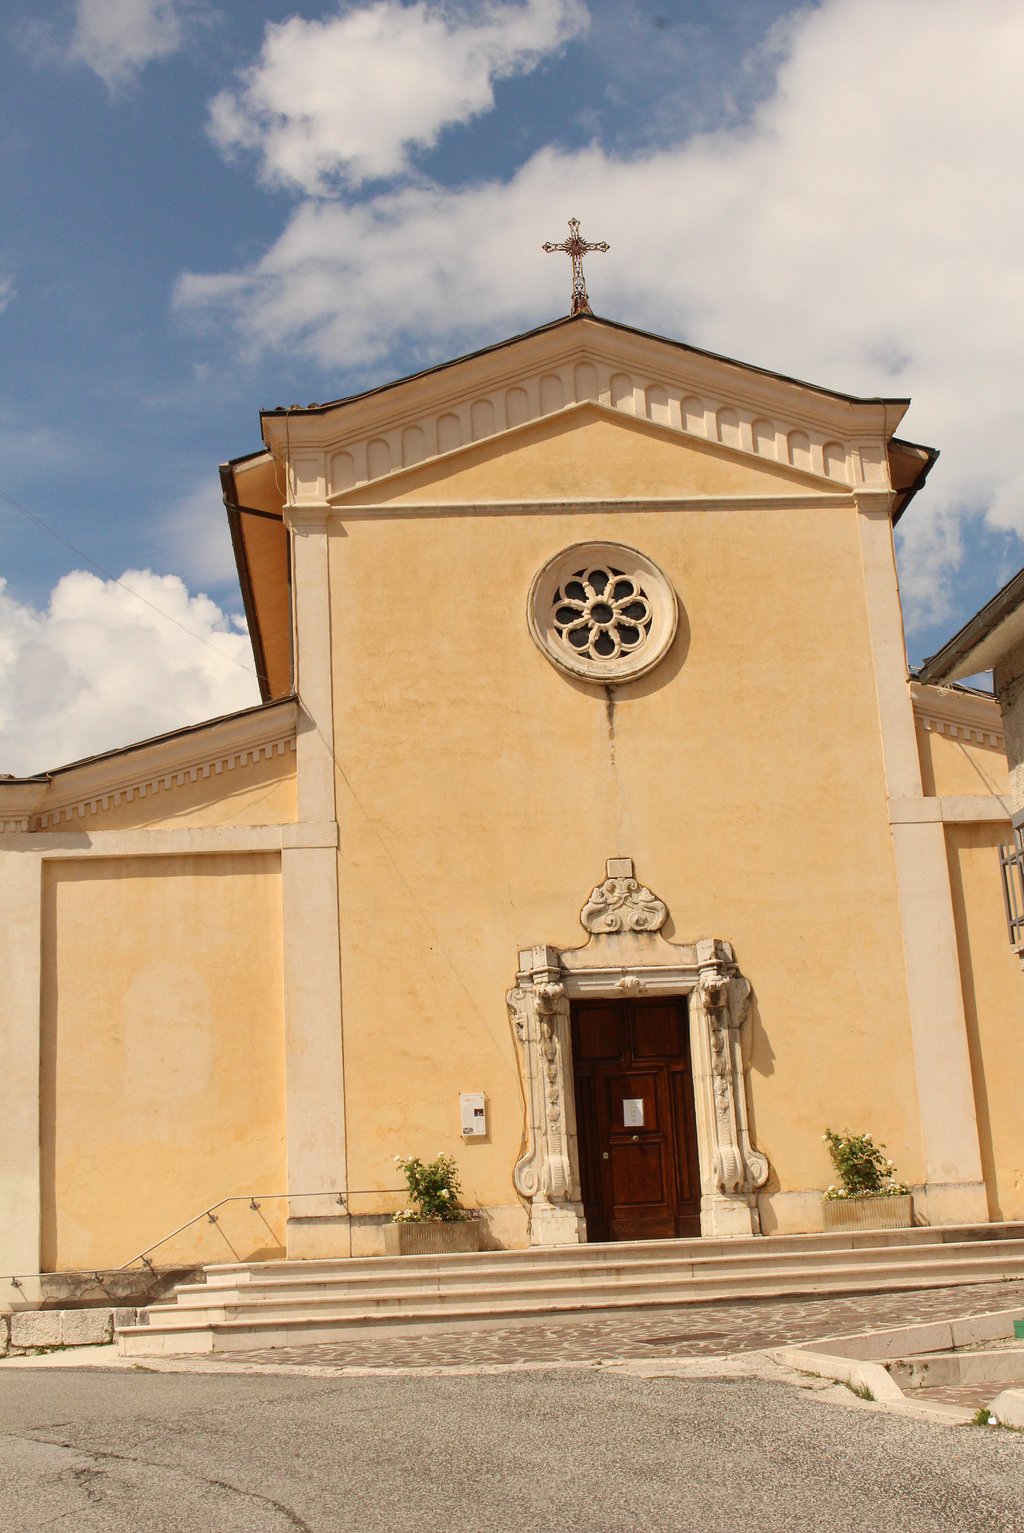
602,612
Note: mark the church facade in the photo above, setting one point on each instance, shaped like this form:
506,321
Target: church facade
590,830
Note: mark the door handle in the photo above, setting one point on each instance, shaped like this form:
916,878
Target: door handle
604,1155
636,1138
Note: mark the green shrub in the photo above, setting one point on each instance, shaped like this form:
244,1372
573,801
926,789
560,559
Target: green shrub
863,1171
434,1188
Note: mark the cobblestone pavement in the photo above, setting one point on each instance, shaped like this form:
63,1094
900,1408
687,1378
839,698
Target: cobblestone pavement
971,1396
692,1330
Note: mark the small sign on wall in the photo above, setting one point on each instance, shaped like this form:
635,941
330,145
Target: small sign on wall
473,1109
632,1112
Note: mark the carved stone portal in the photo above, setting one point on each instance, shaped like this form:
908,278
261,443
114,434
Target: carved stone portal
627,955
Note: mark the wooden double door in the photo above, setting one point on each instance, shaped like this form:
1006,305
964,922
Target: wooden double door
635,1118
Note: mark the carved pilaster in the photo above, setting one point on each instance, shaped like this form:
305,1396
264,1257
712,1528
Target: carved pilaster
546,1172
731,1168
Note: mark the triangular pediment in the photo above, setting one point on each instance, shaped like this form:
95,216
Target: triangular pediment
586,452
724,411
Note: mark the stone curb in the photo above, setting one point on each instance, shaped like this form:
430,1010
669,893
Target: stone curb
26,1331
1008,1408
856,1360
844,1370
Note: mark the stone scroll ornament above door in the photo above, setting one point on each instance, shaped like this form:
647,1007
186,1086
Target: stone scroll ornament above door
627,955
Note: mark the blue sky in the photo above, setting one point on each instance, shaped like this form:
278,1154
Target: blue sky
209,208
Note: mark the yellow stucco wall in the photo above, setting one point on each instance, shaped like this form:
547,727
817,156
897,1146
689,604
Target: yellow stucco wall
955,766
162,1084
483,791
993,990
258,793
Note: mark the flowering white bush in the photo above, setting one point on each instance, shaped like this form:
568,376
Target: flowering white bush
864,1172
434,1187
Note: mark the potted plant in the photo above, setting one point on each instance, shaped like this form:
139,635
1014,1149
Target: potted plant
867,1197
435,1221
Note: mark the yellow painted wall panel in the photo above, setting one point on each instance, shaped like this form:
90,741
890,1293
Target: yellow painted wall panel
955,766
993,989
162,1054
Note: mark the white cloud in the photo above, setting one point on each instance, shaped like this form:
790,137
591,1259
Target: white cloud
350,96
99,668
861,231
6,292
117,38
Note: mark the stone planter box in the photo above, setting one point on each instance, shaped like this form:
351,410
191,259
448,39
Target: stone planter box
868,1213
433,1237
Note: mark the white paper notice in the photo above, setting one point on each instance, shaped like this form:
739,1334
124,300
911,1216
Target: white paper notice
632,1112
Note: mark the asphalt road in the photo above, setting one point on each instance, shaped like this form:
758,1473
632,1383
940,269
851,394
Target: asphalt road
540,1451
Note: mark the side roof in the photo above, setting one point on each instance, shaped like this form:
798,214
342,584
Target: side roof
561,324
146,767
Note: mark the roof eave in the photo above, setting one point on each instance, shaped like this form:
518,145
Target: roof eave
896,406
903,499
962,655
234,514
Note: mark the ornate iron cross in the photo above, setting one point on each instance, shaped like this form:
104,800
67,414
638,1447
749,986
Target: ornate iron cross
577,247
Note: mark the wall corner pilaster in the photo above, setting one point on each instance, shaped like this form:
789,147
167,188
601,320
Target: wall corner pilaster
20,1155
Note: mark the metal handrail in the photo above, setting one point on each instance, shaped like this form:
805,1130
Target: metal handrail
210,1214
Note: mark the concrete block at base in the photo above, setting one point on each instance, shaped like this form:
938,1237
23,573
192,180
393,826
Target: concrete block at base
36,1328
789,1213
5,1334
317,1237
126,1317
1008,1408
86,1327
953,1203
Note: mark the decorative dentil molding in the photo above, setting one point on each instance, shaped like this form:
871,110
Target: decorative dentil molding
960,729
332,452
958,715
149,769
149,787
626,956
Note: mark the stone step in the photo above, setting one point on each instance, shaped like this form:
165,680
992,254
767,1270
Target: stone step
665,1268
259,1331
308,1316
595,1253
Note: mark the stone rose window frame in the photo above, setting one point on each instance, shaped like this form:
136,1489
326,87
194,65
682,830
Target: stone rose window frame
627,955
602,611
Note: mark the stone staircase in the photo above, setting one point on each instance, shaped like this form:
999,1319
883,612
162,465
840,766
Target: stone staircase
249,1305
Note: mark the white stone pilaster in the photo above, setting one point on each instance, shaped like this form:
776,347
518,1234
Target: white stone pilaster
311,646
314,1042
954,1184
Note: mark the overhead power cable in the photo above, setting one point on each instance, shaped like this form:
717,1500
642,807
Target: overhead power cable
80,553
